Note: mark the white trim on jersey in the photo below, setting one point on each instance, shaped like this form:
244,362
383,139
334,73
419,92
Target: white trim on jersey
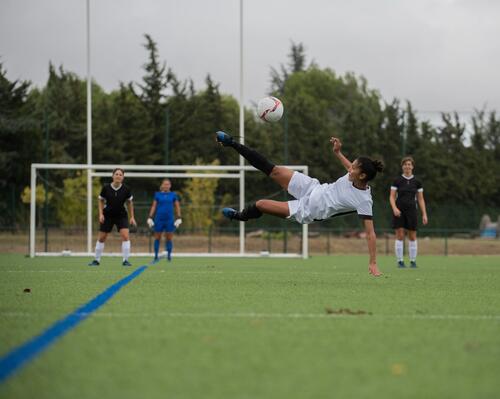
394,188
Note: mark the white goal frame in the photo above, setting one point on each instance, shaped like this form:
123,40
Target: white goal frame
159,171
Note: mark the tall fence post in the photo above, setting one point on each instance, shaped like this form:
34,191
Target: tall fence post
445,243
210,239
328,242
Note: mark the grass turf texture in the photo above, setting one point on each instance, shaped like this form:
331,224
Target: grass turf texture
246,328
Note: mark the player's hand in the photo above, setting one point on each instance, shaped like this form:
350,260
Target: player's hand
101,219
424,219
373,270
336,144
177,223
133,222
397,212
150,223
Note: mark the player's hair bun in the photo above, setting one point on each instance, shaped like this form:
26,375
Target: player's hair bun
378,165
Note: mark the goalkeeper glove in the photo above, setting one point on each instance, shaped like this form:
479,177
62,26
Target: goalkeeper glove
150,223
177,223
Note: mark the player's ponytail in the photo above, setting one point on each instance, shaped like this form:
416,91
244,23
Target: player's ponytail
370,167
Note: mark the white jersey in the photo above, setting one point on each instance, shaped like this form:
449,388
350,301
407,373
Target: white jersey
317,201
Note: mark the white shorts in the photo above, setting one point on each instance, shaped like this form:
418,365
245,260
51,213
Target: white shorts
300,187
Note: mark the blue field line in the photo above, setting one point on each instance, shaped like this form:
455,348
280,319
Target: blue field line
21,355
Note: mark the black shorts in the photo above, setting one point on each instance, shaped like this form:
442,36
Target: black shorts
121,222
408,220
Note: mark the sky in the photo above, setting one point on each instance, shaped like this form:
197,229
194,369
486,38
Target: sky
442,55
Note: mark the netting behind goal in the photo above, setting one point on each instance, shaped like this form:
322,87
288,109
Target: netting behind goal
59,217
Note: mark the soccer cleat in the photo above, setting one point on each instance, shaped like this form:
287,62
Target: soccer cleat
169,257
223,138
413,264
94,263
230,213
401,264
126,263
154,261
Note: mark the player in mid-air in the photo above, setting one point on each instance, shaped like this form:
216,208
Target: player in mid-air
406,191
314,201
162,210
112,212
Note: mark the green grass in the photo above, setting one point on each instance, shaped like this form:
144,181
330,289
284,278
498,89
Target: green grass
257,328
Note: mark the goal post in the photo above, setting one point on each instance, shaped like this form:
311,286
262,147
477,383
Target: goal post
235,172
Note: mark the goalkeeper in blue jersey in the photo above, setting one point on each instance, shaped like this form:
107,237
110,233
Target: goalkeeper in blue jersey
161,217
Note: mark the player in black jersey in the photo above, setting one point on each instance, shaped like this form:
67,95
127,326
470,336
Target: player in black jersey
112,212
406,191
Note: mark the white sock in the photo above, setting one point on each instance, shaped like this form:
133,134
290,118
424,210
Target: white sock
126,249
412,246
398,248
99,248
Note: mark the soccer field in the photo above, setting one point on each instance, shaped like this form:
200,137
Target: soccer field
256,328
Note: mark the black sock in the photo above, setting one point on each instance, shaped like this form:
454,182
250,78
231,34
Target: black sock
254,158
250,212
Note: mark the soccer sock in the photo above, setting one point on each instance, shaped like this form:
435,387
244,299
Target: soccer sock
398,247
250,212
126,249
99,248
412,249
157,247
169,245
254,158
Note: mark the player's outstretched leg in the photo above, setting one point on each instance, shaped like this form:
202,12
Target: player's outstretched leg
280,174
253,157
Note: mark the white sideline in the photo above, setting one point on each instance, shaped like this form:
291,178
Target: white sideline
252,315
181,254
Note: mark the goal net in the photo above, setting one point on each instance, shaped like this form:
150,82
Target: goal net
63,211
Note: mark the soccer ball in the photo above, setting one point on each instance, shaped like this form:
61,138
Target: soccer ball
270,109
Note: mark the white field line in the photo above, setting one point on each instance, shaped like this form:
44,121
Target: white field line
180,272
252,315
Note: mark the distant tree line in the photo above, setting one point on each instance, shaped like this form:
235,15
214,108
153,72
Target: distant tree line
165,120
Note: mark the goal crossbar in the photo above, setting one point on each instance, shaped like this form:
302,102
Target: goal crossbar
164,171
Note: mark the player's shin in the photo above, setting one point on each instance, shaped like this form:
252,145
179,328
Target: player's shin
99,248
254,158
412,249
156,248
250,212
125,250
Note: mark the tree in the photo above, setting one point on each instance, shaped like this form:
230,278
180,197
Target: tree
153,93
199,194
20,137
72,207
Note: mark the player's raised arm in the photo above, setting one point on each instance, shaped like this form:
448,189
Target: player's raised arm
336,147
371,238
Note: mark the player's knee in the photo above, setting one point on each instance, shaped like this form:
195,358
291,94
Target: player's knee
276,172
260,204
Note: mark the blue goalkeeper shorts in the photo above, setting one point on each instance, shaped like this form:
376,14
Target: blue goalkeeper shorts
166,226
